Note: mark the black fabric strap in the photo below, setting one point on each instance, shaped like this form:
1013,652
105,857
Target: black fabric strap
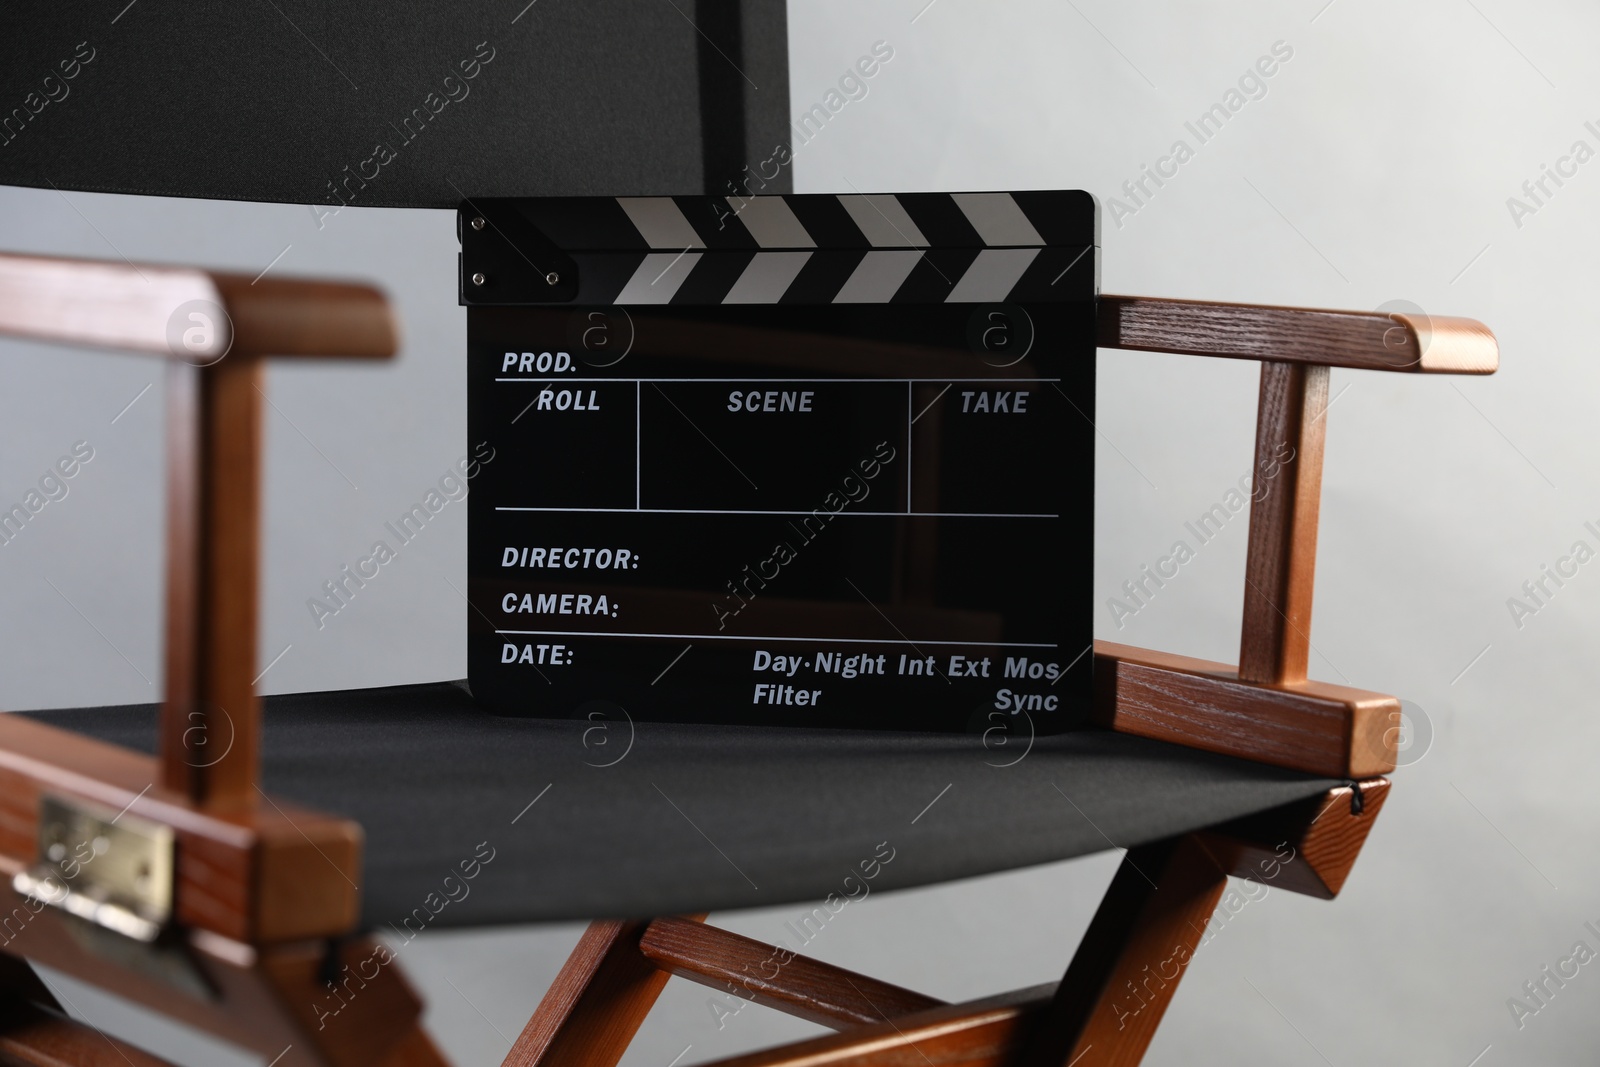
722,92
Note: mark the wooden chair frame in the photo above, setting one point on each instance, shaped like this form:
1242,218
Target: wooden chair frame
272,930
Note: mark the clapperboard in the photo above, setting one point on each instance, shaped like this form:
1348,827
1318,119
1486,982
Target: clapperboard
795,460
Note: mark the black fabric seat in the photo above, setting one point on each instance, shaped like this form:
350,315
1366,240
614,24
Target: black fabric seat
691,818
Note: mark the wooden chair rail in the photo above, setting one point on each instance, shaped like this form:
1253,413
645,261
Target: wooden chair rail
1364,340
131,308
775,977
981,1033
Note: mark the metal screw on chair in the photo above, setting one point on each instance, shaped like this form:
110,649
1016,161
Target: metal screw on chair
552,278
478,223
478,278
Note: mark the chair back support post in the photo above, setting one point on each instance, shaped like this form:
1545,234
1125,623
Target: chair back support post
210,717
1291,427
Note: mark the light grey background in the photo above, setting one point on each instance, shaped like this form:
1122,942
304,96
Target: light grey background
1376,168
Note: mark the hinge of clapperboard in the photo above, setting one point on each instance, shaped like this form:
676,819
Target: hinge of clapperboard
505,259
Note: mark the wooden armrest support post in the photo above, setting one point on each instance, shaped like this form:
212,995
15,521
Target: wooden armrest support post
1281,562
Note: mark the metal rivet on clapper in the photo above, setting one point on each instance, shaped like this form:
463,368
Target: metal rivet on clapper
478,278
477,223
552,278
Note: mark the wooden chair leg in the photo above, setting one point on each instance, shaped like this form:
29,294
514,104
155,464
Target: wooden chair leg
1130,961
1308,847
591,1012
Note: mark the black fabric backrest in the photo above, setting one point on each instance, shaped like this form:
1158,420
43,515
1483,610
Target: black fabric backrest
399,104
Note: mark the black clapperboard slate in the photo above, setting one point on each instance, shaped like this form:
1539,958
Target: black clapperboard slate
802,460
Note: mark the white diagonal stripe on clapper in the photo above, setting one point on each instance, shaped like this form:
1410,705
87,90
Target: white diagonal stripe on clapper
771,222
883,221
659,222
766,278
991,276
997,218
877,278
657,278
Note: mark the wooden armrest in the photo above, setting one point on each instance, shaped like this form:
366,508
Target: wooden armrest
263,874
195,318
119,305
1366,340
1315,727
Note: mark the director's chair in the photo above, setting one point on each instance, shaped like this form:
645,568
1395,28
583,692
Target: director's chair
234,868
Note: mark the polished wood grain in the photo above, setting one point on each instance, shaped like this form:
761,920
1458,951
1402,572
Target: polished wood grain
980,1033
128,307
31,1036
1137,949
1308,847
595,1006
1365,340
211,717
1281,560
289,317
84,302
1316,727
753,970
184,570
272,873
